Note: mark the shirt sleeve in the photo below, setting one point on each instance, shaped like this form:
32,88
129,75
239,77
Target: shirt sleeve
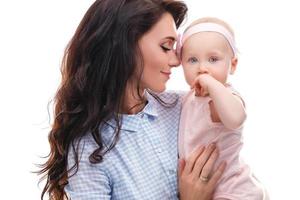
90,182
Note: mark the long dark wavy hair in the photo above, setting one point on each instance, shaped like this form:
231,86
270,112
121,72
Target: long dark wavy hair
98,62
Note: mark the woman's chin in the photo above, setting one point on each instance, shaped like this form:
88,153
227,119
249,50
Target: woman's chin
159,89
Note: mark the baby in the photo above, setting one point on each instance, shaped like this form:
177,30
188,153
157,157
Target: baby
213,111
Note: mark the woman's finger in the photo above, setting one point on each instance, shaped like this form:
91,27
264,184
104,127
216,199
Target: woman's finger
208,167
181,164
190,162
217,175
201,160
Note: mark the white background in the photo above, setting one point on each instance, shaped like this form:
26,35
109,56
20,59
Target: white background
33,35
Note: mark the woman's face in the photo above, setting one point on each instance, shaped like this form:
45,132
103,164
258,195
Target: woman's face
158,54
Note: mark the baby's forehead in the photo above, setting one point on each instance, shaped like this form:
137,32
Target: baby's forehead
210,36
206,40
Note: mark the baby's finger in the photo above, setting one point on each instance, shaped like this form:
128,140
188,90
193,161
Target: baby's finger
197,92
202,92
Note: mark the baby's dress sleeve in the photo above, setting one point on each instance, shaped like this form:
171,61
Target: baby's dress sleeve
236,93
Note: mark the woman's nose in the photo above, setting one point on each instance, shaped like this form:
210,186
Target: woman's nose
174,60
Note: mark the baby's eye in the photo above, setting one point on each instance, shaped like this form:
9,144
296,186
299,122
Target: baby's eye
213,59
192,60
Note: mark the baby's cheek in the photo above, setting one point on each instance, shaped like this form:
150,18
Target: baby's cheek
190,78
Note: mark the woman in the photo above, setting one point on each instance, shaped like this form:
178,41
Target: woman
115,129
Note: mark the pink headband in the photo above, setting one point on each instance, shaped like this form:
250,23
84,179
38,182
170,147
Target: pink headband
206,27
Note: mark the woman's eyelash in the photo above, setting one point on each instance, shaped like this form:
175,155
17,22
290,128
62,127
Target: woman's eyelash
165,48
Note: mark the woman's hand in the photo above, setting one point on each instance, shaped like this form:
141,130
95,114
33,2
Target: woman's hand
196,178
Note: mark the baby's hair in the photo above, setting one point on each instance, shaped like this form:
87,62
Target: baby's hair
212,20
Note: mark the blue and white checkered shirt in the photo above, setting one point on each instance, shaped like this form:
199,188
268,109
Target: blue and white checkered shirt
142,165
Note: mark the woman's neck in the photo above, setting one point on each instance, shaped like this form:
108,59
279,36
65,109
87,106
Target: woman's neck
133,102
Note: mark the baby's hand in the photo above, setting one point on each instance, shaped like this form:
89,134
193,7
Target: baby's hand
202,83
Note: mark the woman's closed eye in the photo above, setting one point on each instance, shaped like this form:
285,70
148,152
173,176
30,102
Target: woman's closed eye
165,48
192,60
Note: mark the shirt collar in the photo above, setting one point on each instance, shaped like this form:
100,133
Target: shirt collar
132,122
151,107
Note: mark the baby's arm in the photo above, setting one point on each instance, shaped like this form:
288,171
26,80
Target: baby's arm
226,107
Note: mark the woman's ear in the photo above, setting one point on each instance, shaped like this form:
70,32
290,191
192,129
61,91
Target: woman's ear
234,62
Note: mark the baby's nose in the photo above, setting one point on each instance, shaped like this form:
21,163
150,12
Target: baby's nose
203,69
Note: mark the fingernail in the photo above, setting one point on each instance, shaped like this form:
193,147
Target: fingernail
201,148
216,150
212,145
223,164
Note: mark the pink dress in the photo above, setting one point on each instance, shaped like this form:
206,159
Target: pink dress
196,128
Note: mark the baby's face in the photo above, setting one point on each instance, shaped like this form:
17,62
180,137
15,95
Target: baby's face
206,52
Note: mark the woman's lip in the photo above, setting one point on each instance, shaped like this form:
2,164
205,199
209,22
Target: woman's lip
166,73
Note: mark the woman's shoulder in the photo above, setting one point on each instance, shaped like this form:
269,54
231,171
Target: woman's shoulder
171,95
87,143
84,146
